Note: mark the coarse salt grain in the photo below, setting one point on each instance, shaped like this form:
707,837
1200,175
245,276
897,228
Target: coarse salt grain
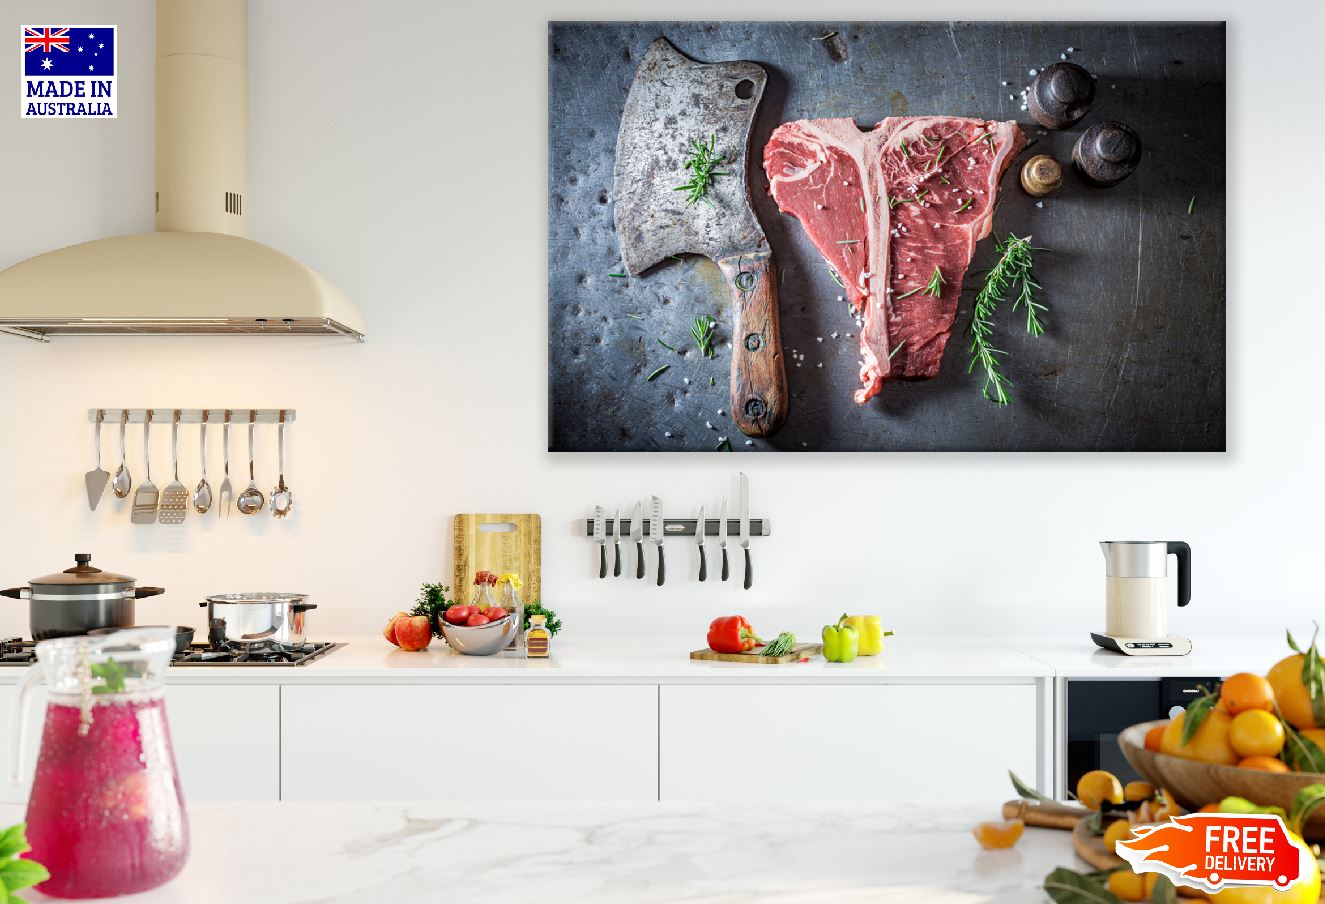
1071,50
720,411
749,442
1039,203
708,424
668,434
1034,72
1062,56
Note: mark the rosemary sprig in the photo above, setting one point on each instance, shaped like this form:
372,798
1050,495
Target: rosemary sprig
965,204
634,316
837,279
702,330
944,179
936,284
702,164
1013,266
1191,205
670,348
618,275
908,294
936,159
893,354
906,151
781,645
657,373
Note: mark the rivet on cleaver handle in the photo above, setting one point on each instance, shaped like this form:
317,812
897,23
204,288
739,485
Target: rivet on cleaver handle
758,378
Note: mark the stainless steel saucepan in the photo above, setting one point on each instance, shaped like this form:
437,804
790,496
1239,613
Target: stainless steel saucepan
248,618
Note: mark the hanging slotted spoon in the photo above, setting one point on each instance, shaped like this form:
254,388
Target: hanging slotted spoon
250,501
281,497
202,493
97,478
175,499
226,494
145,500
123,481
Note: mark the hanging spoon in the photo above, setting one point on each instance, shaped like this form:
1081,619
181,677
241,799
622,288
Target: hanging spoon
123,481
202,493
281,497
250,501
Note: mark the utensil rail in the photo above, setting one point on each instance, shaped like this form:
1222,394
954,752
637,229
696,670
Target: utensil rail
685,527
193,415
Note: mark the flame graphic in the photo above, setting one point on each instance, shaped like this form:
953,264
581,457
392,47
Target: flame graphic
1178,849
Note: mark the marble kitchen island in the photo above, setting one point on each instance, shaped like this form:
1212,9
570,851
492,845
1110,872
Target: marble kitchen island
509,853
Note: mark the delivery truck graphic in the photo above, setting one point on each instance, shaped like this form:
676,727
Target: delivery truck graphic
1209,851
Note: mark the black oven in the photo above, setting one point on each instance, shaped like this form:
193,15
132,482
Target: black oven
1097,711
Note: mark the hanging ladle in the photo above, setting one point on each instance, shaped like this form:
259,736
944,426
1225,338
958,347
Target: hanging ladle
250,501
202,493
123,480
281,497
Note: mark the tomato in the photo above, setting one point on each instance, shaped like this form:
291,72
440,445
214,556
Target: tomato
457,615
477,620
494,613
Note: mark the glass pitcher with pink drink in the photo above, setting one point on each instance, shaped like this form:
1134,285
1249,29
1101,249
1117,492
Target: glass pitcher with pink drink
105,815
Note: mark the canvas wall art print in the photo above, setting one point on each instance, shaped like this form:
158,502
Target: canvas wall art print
847,236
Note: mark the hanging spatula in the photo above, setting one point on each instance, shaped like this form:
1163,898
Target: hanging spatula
175,499
96,479
146,498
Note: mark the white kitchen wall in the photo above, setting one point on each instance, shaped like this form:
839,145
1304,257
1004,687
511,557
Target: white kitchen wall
399,147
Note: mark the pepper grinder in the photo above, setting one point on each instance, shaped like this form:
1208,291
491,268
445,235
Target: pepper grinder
1060,95
1106,153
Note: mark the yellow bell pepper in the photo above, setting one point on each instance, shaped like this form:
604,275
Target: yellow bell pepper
871,633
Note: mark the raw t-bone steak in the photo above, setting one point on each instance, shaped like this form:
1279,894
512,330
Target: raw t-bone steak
888,209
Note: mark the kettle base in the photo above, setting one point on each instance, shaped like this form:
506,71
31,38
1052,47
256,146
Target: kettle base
1171,645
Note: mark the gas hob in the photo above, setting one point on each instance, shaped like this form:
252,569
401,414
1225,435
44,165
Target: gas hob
18,652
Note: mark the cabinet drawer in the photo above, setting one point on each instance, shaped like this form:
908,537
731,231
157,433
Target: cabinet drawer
594,742
845,742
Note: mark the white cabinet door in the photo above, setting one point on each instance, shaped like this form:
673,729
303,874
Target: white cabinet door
226,740
889,742
402,742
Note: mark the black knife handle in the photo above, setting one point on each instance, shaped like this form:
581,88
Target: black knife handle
749,572
703,565
602,560
662,570
616,560
639,559
724,563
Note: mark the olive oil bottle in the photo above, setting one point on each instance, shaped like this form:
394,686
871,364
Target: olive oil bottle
537,637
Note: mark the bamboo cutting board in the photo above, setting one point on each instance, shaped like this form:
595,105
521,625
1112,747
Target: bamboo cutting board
499,543
798,652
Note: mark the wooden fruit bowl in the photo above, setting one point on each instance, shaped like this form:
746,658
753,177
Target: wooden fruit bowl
1196,784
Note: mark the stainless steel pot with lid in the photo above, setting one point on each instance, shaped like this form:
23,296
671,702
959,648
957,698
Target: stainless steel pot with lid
79,599
250,618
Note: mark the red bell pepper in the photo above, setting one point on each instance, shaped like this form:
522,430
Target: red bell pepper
732,634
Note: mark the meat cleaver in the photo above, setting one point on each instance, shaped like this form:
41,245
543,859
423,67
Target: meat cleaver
673,102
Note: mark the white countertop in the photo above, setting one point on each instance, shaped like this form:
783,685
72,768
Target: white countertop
647,660
1211,657
611,853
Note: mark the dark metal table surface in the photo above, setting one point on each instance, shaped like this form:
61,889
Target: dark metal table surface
1134,355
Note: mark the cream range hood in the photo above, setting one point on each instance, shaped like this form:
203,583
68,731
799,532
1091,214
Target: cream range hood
199,273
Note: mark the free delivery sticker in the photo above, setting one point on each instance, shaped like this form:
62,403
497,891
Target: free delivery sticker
1211,851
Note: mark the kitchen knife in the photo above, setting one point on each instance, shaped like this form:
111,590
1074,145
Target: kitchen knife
637,534
699,539
616,545
600,538
673,104
656,535
745,529
722,536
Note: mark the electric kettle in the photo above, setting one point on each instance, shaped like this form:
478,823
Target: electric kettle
1136,590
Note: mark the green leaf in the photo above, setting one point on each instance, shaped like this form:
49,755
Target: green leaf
112,673
1095,822
13,841
1300,752
19,874
1305,801
1068,887
1164,892
1024,790
1197,710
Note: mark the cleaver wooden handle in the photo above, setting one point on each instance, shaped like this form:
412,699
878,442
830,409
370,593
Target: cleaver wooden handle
758,381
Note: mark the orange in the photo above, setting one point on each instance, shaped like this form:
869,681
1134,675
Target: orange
1209,808
1138,791
1097,786
1255,732
1264,763
1210,743
995,836
1153,737
1126,884
1118,830
1290,693
1245,691
1168,808
1316,735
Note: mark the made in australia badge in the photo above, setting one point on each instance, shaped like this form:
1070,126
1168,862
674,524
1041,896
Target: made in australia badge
68,72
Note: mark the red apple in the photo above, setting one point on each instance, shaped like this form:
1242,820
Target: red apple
495,613
477,620
413,633
389,632
457,615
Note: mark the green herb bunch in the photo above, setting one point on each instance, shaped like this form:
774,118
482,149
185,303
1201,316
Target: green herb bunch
433,603
17,874
553,624
1012,269
702,331
702,165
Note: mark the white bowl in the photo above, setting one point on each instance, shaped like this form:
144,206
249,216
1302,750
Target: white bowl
483,640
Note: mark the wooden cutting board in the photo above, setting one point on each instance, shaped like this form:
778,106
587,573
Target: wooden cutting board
1090,848
498,543
798,652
